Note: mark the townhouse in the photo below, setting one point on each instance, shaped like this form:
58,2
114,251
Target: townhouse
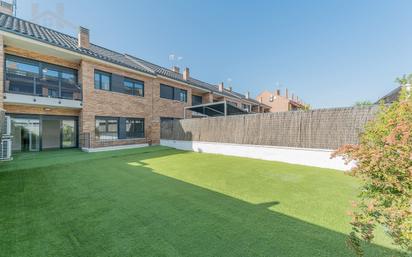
63,91
279,102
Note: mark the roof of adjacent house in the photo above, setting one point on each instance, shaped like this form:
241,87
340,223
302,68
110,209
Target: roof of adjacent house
43,34
391,96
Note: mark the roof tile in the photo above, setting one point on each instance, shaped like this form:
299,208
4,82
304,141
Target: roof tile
34,31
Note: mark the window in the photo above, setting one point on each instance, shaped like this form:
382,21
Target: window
50,74
107,128
196,100
22,67
134,87
69,89
166,92
102,80
180,95
134,128
172,93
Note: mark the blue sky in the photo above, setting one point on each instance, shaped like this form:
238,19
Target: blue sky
330,53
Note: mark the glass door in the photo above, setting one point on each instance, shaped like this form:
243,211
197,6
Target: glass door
34,135
26,134
69,133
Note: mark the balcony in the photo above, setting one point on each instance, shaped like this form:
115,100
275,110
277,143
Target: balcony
29,89
33,82
18,83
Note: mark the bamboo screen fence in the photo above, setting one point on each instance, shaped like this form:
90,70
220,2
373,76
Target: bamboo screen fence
322,129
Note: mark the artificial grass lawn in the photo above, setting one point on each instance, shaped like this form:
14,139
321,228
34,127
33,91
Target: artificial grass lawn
159,201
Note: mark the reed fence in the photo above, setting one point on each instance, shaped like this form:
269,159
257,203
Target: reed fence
322,129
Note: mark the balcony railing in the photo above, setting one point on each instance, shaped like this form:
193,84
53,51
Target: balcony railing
39,86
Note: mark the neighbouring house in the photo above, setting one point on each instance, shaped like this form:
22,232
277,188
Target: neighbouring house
391,96
279,102
62,91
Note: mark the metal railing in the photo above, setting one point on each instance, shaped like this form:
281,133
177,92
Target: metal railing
88,140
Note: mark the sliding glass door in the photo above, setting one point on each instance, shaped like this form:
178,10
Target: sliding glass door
26,134
37,132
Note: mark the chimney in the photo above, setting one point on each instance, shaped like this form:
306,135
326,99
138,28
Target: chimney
221,87
176,69
287,93
83,39
6,8
186,74
247,95
278,92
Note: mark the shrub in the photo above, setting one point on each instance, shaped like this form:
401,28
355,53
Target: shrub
383,161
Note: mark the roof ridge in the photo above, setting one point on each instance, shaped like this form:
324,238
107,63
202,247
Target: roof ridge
133,59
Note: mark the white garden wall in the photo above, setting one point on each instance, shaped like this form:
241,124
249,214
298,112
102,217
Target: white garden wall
304,156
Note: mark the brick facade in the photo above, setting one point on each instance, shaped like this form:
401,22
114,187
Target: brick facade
112,104
96,102
169,108
106,103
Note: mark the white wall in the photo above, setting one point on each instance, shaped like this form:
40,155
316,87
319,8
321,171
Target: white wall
304,156
41,101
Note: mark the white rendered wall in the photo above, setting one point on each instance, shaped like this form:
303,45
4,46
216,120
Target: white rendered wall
41,101
304,156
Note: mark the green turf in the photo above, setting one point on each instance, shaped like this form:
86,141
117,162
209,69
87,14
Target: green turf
163,202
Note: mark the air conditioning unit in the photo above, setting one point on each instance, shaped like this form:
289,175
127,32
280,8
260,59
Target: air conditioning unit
5,143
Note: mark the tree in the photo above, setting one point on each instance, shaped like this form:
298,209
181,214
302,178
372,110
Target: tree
383,162
405,79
